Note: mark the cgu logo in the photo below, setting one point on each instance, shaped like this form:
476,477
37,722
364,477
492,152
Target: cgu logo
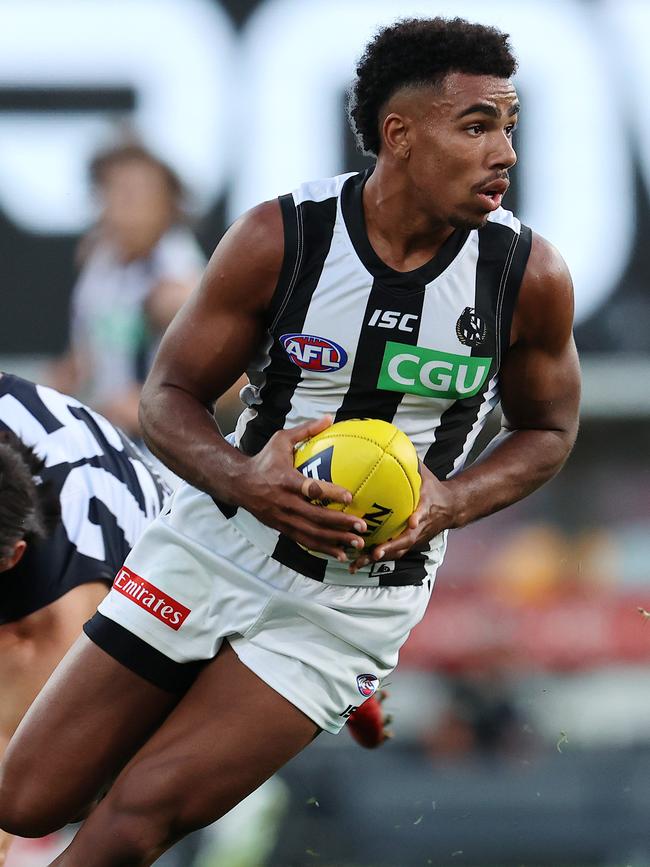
428,372
314,353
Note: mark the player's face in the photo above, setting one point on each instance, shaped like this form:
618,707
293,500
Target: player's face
461,147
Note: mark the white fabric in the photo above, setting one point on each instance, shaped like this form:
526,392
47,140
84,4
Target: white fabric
308,640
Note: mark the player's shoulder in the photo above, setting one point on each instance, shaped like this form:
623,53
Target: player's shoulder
320,190
545,305
544,258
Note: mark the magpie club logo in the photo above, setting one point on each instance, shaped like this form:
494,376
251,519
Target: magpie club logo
471,330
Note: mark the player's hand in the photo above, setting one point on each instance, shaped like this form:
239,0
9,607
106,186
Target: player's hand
368,724
279,496
435,512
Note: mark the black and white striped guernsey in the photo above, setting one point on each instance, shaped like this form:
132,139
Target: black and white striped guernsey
107,491
350,336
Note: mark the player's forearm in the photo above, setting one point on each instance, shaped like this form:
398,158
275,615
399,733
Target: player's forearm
184,435
514,465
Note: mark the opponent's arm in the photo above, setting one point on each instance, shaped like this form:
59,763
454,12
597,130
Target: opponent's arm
540,393
207,347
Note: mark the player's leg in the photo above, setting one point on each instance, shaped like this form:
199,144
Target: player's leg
86,723
228,734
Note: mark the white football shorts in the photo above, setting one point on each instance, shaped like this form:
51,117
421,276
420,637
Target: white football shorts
193,579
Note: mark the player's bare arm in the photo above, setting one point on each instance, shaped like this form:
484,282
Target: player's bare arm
206,349
540,394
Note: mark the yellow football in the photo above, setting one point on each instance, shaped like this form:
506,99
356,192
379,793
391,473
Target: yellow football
376,462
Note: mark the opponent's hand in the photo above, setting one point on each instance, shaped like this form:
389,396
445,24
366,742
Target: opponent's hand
279,496
368,724
435,512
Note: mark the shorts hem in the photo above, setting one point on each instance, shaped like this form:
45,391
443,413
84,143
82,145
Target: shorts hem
248,655
139,657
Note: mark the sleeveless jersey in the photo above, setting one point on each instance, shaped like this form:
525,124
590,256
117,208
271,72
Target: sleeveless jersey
107,492
350,336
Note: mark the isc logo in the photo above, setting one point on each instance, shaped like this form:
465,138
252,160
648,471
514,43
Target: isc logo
314,353
393,319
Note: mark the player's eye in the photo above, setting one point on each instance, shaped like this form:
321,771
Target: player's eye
475,129
510,129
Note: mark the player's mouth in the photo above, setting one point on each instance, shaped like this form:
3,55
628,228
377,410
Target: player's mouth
491,194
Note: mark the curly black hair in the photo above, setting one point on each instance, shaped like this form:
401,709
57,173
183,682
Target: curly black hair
29,509
421,51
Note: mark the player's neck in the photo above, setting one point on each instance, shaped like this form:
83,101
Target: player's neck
402,235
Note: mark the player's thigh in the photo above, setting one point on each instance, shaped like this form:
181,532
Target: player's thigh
229,733
85,724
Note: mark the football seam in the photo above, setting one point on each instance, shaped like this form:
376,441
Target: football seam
367,478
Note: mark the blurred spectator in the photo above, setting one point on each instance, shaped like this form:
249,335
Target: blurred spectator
482,716
138,264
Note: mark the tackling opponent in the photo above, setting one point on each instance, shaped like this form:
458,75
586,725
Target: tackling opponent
423,302
74,496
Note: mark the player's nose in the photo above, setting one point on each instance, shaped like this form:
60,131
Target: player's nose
503,154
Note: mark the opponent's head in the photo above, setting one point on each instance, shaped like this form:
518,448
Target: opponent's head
23,506
433,98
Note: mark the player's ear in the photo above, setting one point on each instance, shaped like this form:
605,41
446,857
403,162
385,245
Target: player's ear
395,131
15,557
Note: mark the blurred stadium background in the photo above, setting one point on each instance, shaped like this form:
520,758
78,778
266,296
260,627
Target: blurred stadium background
522,703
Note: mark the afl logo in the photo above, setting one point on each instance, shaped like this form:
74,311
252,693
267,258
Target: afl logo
367,684
314,353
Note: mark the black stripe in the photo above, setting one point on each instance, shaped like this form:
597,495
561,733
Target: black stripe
67,99
140,657
25,393
513,281
315,228
353,214
363,399
112,460
497,284
290,554
282,375
290,260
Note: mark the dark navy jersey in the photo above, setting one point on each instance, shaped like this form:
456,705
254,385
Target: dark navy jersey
107,491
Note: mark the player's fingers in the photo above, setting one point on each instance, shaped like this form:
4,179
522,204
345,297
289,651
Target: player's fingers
318,538
417,516
315,489
320,517
359,563
307,429
395,548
